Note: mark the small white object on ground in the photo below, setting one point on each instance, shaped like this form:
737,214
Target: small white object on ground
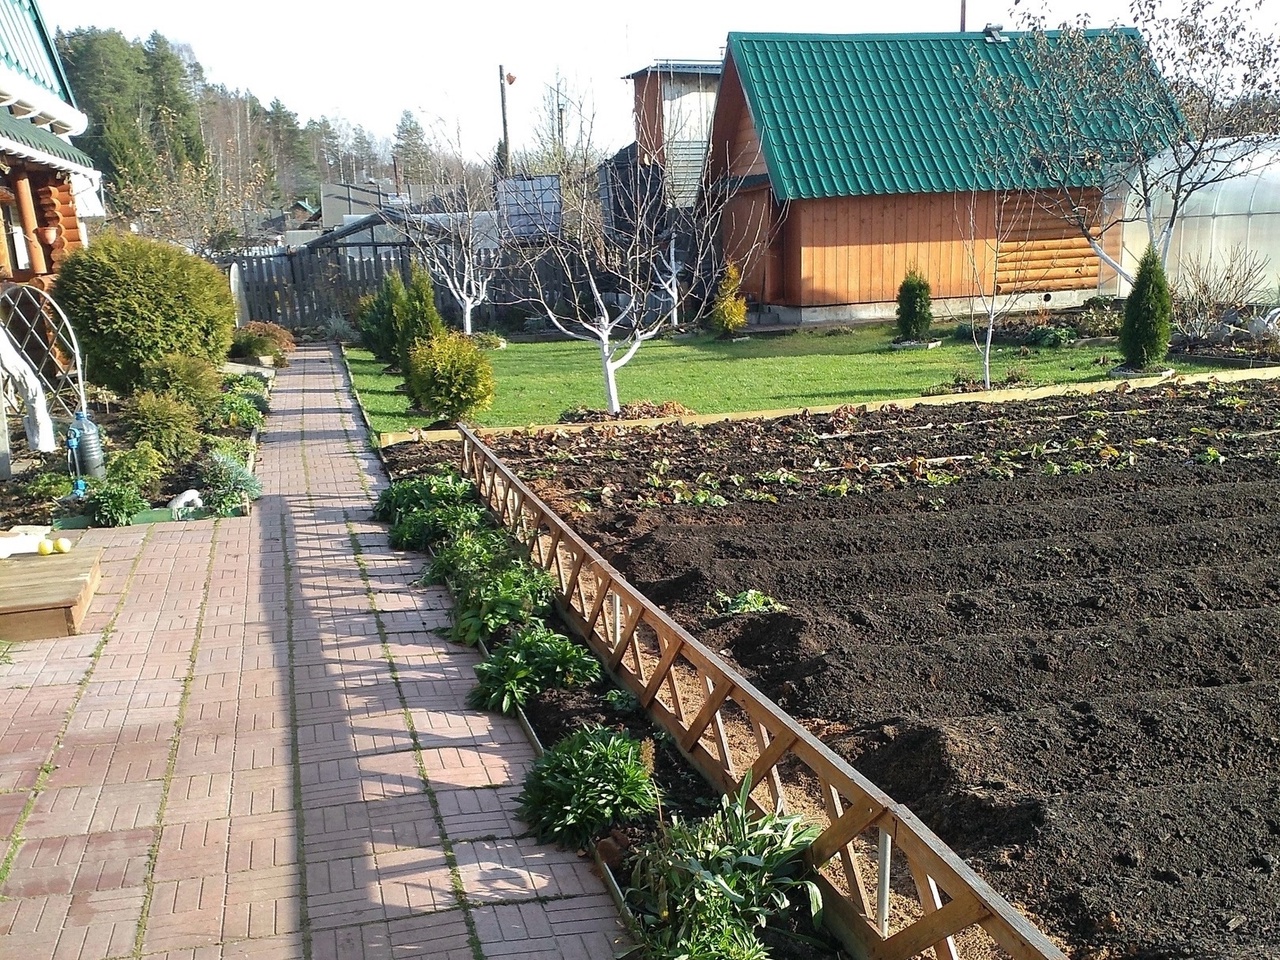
188,499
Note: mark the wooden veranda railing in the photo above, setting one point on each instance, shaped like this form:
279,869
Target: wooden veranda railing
892,889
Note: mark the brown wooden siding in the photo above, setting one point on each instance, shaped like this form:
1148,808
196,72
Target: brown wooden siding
648,118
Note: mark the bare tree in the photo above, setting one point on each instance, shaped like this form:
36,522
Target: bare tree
1128,126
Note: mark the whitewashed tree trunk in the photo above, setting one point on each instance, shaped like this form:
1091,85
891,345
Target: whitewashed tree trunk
610,379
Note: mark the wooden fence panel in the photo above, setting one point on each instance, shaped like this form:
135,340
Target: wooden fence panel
729,730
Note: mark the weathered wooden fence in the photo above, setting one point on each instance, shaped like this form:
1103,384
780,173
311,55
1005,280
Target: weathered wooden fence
308,287
893,890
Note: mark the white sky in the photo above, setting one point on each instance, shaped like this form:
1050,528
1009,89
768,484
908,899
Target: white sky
440,59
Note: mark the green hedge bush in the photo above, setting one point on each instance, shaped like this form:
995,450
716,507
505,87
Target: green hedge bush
133,300
449,378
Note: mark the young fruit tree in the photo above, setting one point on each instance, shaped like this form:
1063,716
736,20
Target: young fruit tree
625,261
1181,103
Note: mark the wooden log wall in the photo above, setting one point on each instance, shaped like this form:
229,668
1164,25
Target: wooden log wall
732,733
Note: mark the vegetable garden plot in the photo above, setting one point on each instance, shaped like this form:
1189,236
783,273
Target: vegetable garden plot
1049,628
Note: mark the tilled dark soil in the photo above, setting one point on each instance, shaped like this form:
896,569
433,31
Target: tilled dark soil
1051,628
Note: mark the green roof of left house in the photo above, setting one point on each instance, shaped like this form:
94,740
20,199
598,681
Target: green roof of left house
878,114
41,144
27,48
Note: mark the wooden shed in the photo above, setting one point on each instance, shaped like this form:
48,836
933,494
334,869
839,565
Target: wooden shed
853,158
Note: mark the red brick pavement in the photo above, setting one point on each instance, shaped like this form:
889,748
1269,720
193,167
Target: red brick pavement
225,765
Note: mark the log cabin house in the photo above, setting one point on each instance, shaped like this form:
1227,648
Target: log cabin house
852,158
46,184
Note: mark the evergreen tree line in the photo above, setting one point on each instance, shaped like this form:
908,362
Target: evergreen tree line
153,118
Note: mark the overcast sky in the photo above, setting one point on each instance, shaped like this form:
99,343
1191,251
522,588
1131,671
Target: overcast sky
371,61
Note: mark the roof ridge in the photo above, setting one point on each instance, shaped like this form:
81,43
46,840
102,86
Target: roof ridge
968,35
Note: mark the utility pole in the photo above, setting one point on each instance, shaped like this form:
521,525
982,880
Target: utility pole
506,138
962,2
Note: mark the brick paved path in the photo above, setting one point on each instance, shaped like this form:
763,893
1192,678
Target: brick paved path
259,749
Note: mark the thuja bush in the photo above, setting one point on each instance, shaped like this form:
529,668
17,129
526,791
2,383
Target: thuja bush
141,467
418,320
167,423
392,320
586,783
915,309
1148,313
449,378
729,311
132,300
192,380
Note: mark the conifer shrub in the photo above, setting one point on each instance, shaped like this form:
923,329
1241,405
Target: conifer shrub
165,422
375,318
192,380
449,378
1148,315
915,309
419,320
132,300
729,310
392,320
141,467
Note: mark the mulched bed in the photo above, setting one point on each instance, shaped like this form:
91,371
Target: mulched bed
1049,627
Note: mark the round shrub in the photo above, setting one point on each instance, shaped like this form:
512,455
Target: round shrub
1148,314
132,300
729,312
234,411
449,377
142,467
915,310
192,380
168,424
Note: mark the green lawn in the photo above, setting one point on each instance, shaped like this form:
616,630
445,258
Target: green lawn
538,381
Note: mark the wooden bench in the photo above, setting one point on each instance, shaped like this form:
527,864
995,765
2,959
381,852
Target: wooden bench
45,597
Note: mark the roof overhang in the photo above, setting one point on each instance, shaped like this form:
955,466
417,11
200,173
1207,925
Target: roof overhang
28,100
22,138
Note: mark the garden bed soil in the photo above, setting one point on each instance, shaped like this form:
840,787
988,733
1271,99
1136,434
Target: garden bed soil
1050,627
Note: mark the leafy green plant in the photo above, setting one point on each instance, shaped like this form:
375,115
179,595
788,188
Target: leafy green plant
1210,456
729,309
511,595
142,467
536,658
624,701
448,377
732,871
468,555
251,346
747,601
47,486
167,423
193,380
1148,314
132,300
113,503
587,782
915,309
417,493
227,483
422,529
235,411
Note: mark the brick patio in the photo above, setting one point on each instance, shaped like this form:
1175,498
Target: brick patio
260,749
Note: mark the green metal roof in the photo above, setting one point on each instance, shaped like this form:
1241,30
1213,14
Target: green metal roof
27,48
868,115
37,143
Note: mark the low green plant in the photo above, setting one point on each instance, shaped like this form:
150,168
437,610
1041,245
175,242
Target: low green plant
114,503
48,486
143,467
193,380
448,377
624,701
732,871
729,309
227,484
278,335
588,782
534,659
423,529
747,601
239,448
468,555
247,345
417,493
915,310
167,423
234,411
514,594
253,389
487,340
